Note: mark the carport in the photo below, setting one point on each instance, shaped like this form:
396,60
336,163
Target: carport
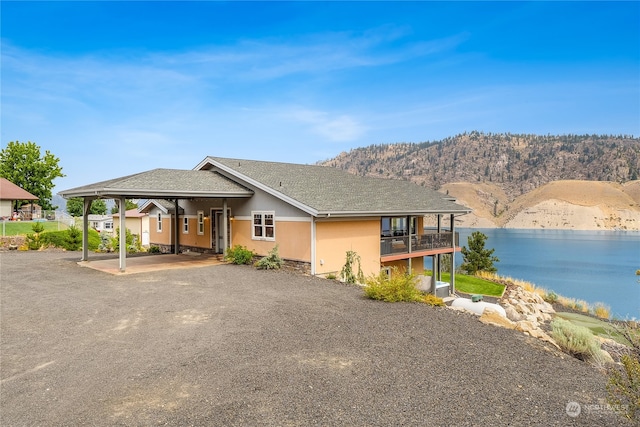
167,184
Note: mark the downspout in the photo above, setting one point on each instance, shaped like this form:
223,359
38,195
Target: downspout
313,246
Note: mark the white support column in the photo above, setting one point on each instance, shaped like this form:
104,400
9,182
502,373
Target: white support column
123,234
452,288
438,256
176,228
434,279
85,228
225,231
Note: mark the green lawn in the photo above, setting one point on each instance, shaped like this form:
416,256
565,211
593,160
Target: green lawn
597,326
474,285
22,228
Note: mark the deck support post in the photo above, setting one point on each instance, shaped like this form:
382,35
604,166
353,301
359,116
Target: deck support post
452,281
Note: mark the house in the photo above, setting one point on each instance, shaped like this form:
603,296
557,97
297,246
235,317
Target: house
101,223
137,222
315,214
9,194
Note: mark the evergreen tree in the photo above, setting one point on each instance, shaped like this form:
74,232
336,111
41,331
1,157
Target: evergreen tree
476,257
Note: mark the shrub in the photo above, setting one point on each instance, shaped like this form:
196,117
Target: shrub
132,241
623,387
433,300
239,255
70,239
271,261
550,297
331,276
578,341
398,287
154,249
601,310
347,272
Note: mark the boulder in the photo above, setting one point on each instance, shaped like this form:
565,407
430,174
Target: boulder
491,317
512,313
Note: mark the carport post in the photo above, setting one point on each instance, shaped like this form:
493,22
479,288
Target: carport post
452,288
225,232
123,234
85,228
176,229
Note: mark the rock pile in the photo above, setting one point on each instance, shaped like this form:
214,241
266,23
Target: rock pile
525,311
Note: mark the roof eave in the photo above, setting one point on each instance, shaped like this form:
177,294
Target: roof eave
113,193
258,184
331,214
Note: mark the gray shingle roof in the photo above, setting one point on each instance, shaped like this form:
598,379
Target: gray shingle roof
327,190
163,183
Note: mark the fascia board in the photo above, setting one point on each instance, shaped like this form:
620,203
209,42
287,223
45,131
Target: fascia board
388,213
258,184
114,193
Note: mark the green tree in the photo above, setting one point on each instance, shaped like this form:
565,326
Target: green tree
22,164
75,205
128,204
477,258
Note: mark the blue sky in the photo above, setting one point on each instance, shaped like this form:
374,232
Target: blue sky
114,88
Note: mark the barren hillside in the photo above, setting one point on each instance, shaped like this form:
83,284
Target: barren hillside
516,163
577,205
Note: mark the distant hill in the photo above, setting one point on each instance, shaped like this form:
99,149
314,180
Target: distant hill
516,163
582,182
569,205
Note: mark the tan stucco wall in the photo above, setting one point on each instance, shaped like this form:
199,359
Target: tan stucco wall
335,238
164,237
293,239
193,238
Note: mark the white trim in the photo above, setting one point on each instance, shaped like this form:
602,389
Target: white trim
313,245
200,223
258,184
278,219
185,224
263,217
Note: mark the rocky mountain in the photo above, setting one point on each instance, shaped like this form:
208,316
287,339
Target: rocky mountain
582,182
516,163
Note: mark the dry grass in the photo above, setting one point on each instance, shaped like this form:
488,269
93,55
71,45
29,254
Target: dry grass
599,309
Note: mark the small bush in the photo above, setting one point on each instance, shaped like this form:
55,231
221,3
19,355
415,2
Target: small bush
239,255
347,273
70,239
433,300
271,261
623,388
578,341
550,297
398,287
601,310
331,276
154,249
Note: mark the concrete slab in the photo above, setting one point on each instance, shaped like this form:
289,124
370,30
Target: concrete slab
147,263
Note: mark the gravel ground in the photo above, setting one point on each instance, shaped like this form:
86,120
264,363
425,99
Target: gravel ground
231,345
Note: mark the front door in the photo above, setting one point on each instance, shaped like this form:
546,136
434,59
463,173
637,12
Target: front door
217,238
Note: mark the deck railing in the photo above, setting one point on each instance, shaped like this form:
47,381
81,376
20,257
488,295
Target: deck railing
416,243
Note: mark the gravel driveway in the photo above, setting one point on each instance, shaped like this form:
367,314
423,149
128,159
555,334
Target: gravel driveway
231,345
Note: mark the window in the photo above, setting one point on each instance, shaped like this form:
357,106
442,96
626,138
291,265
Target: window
159,229
263,226
200,222
108,225
185,225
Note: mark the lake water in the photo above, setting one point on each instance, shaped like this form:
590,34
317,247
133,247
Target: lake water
595,266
